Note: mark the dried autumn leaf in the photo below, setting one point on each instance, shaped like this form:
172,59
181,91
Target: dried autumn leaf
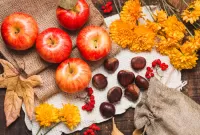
137,132
67,4
115,130
18,90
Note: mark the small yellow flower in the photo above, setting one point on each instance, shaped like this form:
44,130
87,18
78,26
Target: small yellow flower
121,33
70,115
182,61
173,28
192,13
164,45
46,114
131,12
155,27
143,39
160,16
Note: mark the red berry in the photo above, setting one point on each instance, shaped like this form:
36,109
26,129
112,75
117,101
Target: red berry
109,3
158,61
103,7
148,69
154,64
152,74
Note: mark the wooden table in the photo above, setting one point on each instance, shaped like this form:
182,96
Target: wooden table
125,121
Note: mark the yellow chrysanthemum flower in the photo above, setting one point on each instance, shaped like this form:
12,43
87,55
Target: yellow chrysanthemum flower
46,114
121,33
160,16
173,28
189,48
70,115
131,12
164,46
182,61
192,13
143,39
155,27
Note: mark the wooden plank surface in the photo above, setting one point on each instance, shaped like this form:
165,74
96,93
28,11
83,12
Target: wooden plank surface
124,121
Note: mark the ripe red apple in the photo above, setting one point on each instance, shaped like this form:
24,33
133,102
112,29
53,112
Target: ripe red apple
74,18
73,75
93,43
54,45
19,31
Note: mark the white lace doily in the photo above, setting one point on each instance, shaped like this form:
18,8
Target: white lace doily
172,78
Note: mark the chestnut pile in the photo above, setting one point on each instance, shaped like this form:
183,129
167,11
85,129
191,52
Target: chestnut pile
131,84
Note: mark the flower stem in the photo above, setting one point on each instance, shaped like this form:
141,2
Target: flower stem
185,2
52,127
39,130
116,7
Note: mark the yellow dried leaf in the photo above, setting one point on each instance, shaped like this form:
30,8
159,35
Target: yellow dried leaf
115,130
137,132
18,90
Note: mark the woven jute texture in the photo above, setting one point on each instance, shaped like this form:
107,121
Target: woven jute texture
166,111
44,12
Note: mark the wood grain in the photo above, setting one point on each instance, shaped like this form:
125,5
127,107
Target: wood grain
125,121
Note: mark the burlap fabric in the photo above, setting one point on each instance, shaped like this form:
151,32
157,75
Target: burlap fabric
166,111
44,12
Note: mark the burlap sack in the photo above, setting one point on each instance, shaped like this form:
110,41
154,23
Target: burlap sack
166,111
44,11
49,86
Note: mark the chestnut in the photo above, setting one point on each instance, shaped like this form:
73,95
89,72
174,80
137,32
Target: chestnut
125,77
114,94
99,81
141,82
111,64
138,63
107,110
132,92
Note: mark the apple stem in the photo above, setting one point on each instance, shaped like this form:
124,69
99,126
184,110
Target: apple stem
70,69
95,43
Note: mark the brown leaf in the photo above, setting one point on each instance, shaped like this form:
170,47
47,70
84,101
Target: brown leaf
18,90
115,130
67,4
137,132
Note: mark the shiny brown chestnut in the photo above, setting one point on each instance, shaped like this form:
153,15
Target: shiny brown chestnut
107,110
114,94
99,81
111,64
125,77
141,82
132,92
138,63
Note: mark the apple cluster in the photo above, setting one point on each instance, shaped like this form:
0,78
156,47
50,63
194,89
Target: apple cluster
20,32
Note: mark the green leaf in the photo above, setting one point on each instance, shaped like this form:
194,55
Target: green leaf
67,4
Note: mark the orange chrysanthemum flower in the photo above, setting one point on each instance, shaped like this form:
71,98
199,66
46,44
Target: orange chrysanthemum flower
143,39
192,13
182,60
121,33
131,12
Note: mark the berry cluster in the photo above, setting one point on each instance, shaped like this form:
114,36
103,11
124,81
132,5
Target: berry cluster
149,73
107,8
155,65
90,102
92,130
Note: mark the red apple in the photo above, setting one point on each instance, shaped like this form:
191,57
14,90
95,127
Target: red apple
93,43
74,18
19,31
73,75
54,45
